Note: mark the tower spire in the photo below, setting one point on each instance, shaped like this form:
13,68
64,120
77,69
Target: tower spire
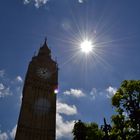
37,119
44,50
45,42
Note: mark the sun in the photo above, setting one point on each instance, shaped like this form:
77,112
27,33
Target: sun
86,46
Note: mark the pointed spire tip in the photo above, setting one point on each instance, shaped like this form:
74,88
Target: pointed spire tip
45,40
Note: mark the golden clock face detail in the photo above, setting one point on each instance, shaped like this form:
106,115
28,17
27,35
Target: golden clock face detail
43,73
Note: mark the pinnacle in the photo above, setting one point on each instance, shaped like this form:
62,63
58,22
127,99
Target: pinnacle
45,49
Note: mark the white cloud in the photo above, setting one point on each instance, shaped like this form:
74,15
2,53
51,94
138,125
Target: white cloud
110,91
80,1
66,109
3,136
93,93
63,128
74,92
19,79
1,86
9,86
4,91
13,132
37,3
26,1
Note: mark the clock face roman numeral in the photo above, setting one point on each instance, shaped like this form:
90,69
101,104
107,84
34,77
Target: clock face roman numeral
43,73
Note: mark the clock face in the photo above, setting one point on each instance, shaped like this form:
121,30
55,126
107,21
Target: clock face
43,73
42,106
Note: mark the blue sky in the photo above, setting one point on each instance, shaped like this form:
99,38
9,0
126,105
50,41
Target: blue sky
86,82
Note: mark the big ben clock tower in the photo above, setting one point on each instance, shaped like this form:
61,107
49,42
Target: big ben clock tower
37,119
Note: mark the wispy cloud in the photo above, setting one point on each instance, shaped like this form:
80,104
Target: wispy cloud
26,1
93,93
39,3
1,86
74,92
9,86
4,91
19,79
105,93
13,132
110,91
3,136
80,1
8,135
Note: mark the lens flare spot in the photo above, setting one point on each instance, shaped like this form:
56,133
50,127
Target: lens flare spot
56,91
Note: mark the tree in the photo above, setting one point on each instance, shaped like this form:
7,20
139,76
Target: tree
86,131
106,128
119,128
93,131
79,131
127,104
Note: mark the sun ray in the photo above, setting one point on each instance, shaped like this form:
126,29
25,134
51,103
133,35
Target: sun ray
86,48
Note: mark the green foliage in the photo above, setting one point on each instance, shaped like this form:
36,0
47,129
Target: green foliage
93,132
126,124
79,131
126,121
86,131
